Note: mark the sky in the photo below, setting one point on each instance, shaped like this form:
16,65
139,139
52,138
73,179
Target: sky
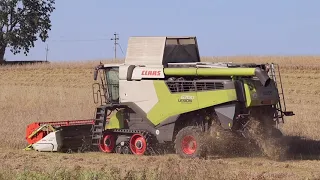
82,30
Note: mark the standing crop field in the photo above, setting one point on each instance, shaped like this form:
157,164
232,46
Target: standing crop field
62,91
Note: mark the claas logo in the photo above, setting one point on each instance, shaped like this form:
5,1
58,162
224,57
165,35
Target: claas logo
150,73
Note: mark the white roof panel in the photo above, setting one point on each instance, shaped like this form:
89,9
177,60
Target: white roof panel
145,50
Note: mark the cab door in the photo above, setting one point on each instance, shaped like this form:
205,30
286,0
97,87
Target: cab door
112,77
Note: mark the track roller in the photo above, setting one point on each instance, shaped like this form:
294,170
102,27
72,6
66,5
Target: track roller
107,144
126,150
138,144
119,149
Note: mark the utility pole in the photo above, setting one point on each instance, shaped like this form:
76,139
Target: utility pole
47,50
115,39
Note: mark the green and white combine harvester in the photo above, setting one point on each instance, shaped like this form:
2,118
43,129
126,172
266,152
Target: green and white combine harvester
164,96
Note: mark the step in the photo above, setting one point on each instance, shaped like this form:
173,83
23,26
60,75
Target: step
98,124
98,131
96,137
100,113
99,119
98,116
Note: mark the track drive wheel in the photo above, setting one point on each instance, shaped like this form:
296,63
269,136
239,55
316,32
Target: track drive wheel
189,142
138,144
107,144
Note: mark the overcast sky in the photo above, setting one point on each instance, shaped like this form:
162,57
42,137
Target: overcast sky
81,29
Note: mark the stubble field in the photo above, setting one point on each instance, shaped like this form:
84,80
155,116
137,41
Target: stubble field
61,91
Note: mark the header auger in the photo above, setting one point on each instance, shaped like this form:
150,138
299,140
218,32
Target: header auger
164,96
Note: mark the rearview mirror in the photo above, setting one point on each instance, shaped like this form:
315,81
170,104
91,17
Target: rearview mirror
95,74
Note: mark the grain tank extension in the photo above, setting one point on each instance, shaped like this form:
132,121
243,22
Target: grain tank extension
163,95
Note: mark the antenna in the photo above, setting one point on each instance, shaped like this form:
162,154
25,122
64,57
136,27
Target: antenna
115,39
47,50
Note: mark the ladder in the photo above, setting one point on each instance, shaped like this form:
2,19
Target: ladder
273,73
98,126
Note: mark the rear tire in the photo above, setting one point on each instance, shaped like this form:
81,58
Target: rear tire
189,143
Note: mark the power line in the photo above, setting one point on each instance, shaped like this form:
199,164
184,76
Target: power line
79,40
121,49
115,39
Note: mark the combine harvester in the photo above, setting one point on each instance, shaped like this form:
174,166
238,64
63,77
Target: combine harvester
163,95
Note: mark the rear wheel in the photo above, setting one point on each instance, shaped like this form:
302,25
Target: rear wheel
189,142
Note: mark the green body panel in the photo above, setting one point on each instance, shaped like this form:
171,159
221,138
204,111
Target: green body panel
263,95
210,98
116,120
248,93
210,71
171,104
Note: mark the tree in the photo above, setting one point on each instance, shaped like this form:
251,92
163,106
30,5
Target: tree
22,22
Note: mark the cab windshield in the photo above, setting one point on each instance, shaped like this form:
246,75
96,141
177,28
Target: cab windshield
112,77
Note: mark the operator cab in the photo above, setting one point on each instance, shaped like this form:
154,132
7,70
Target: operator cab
157,51
112,83
109,82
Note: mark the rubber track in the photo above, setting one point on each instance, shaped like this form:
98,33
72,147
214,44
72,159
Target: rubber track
145,134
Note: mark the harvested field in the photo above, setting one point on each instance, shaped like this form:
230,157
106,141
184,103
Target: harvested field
28,165
61,91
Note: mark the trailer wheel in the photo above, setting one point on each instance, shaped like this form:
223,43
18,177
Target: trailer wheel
189,143
107,144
